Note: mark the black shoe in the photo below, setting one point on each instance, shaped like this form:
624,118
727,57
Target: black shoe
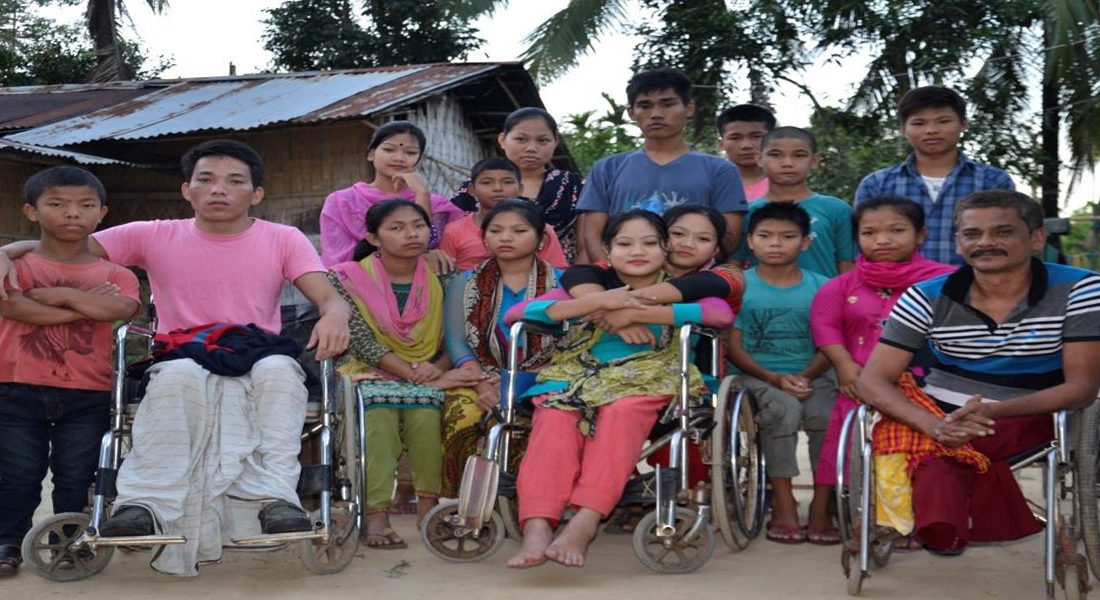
10,559
128,521
283,517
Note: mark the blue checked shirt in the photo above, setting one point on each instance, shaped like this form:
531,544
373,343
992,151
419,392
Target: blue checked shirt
965,178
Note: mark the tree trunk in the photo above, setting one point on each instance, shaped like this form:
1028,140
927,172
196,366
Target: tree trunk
1049,158
103,27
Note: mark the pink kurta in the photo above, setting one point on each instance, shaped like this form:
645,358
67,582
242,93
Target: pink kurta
850,312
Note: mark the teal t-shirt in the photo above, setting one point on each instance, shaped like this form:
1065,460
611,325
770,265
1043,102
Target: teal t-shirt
775,321
830,231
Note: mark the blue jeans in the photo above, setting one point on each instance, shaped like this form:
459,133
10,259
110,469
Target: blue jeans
46,427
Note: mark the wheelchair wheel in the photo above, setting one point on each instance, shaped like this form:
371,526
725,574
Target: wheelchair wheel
673,555
737,471
443,535
343,542
48,550
1086,463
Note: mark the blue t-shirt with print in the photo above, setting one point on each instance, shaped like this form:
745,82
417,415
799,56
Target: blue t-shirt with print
775,321
830,232
629,180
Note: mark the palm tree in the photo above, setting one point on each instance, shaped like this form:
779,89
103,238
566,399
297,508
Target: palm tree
102,18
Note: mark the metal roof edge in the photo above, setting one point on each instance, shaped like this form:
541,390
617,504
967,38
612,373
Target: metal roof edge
77,157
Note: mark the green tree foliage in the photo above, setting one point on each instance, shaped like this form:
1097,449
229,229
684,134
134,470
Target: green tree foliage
591,136
851,146
102,18
38,51
327,34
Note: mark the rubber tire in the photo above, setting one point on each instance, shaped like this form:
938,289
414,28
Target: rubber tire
737,528
509,515
435,535
1086,463
644,542
34,560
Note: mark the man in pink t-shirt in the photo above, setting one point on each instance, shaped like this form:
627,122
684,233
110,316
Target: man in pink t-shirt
741,131
200,438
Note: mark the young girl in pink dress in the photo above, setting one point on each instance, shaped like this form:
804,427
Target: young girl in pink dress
847,315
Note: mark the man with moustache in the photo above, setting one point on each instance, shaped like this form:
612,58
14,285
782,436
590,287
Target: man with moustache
1012,340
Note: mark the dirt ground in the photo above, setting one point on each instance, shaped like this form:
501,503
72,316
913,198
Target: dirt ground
764,571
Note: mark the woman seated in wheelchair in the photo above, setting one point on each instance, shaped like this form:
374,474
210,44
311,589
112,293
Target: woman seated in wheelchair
599,397
397,360
477,339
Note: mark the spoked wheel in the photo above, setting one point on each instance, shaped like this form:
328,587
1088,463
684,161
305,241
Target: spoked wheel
49,551
737,472
1086,463
509,515
674,554
343,542
450,540
851,508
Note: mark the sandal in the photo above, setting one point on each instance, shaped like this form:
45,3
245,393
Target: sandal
786,534
827,536
386,539
908,543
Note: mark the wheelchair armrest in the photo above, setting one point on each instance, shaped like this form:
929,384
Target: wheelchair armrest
537,327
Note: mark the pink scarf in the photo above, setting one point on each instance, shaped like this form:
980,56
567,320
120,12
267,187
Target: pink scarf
369,282
899,275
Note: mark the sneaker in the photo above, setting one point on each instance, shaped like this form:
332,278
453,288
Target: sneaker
283,517
128,521
10,559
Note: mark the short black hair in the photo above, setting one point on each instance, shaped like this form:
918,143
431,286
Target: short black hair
658,79
61,176
931,96
788,132
899,204
611,229
231,148
716,219
1030,211
493,164
750,113
781,211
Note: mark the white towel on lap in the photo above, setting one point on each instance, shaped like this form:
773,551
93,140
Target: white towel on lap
201,439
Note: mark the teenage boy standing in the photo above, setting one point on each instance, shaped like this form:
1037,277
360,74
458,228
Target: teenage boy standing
741,131
936,175
663,173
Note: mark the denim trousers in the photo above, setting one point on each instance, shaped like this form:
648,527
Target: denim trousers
44,428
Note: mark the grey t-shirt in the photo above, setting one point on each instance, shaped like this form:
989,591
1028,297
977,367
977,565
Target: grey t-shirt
629,180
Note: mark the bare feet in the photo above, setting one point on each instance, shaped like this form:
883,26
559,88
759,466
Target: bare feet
571,545
536,537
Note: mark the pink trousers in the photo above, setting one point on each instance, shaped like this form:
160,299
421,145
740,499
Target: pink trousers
562,467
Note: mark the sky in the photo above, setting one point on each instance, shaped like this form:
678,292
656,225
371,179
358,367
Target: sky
201,37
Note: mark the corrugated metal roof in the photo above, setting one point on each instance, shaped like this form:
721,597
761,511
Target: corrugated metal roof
23,108
77,157
222,104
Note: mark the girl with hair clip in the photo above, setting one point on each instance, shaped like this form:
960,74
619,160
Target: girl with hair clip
477,338
396,359
394,152
601,393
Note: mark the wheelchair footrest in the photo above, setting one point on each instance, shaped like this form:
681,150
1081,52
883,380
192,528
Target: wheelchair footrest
279,538
640,489
136,540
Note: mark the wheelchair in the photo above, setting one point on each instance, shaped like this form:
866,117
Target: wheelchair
678,534
68,547
1069,490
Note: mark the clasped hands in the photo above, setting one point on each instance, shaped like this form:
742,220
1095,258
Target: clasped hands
972,421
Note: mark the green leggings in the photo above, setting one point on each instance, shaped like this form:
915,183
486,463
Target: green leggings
389,430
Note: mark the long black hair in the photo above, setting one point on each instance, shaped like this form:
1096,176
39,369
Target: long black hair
526,210
393,128
616,223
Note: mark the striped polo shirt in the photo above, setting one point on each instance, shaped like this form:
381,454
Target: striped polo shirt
973,354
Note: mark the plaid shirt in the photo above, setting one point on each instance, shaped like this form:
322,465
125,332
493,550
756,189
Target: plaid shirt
965,178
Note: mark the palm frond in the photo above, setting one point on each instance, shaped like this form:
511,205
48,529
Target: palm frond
557,44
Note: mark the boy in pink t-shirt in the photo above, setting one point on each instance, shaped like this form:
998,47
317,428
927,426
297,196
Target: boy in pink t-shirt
220,266
55,354
741,131
492,180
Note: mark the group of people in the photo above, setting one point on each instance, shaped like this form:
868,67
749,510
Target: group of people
416,292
